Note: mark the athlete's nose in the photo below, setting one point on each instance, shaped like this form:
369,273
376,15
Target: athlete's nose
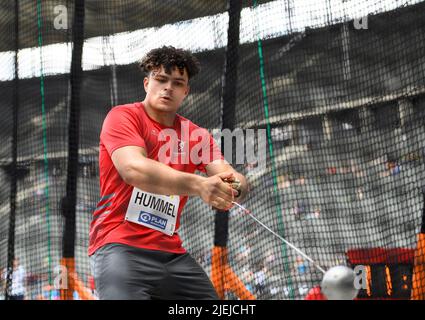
168,86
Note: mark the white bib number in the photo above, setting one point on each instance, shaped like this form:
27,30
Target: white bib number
155,211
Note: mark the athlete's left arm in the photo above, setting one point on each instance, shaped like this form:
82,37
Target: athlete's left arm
219,166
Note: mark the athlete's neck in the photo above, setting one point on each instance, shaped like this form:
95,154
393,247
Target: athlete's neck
164,118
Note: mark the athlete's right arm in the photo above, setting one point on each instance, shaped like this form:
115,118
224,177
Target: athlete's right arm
152,176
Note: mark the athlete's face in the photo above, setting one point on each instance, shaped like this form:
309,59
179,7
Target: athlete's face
166,92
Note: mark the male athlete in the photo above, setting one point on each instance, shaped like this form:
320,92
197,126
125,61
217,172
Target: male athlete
148,157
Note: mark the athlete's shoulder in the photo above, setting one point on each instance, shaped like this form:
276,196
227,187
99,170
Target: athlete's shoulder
192,125
130,107
125,111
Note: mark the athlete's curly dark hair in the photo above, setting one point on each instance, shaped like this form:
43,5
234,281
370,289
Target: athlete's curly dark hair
170,57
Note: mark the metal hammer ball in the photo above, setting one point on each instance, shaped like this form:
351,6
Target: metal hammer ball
338,283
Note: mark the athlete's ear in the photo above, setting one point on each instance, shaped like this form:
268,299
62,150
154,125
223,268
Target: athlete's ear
187,91
146,83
